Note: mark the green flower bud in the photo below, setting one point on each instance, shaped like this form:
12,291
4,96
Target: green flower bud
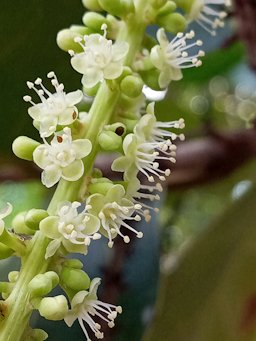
173,22
110,141
33,218
118,128
42,284
74,279
99,187
19,226
158,3
118,7
13,276
53,308
168,8
36,335
150,77
131,86
23,147
94,20
73,263
5,251
92,5
65,40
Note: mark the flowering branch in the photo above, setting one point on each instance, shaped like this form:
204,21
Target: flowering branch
111,53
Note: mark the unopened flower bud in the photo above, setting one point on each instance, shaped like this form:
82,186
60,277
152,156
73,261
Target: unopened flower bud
53,308
151,78
99,187
19,225
65,40
158,3
94,21
73,263
92,5
167,8
23,147
110,141
33,218
91,92
117,7
173,22
74,279
42,284
118,128
131,86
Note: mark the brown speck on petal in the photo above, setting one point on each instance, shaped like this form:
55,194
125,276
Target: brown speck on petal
59,139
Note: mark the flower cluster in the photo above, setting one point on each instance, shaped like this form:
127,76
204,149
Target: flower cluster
86,305
100,58
205,14
95,206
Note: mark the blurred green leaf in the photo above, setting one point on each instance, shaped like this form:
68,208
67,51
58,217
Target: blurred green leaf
28,50
211,292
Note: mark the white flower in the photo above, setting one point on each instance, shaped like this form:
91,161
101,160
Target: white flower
147,146
85,306
204,13
73,227
113,210
56,108
170,57
101,59
61,158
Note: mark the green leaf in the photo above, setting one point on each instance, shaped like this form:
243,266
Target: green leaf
211,293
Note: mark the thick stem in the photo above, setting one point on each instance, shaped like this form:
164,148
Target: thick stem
17,306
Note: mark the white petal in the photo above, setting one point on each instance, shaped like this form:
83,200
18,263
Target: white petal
80,62
120,50
66,116
92,77
40,157
113,70
82,147
51,175
74,97
36,111
74,171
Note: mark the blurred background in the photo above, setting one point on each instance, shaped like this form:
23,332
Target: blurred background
193,275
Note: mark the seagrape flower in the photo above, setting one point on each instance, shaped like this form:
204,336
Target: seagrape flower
73,227
85,307
170,57
204,12
114,210
56,108
100,59
150,143
61,158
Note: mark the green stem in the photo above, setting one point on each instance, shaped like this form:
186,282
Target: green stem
18,307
